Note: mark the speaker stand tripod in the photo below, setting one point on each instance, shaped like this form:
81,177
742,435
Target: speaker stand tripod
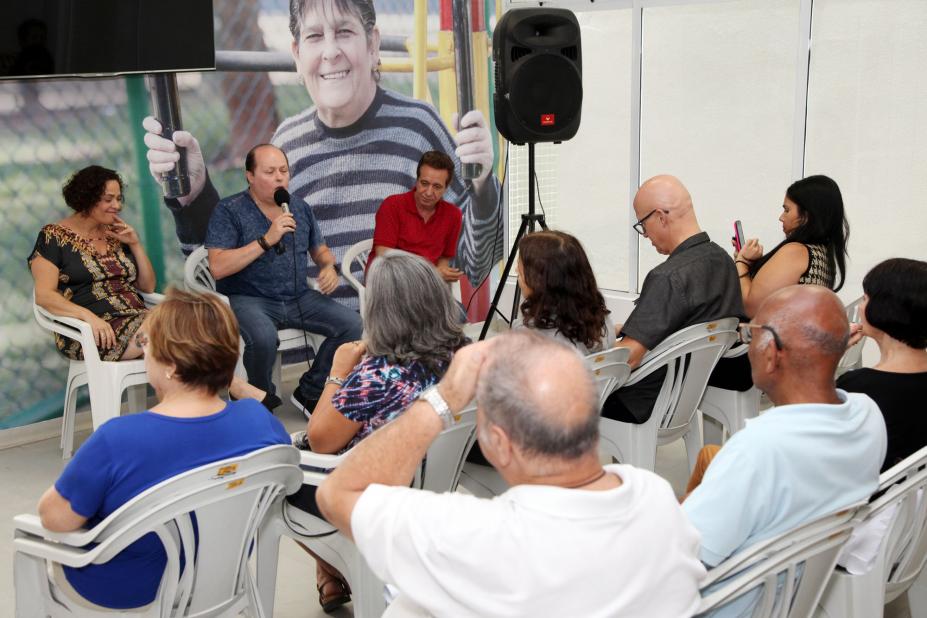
528,222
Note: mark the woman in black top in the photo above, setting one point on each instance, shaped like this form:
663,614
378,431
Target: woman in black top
894,314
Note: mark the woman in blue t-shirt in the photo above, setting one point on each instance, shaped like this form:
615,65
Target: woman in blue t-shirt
190,343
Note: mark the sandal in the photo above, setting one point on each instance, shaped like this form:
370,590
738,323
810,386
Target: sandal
336,599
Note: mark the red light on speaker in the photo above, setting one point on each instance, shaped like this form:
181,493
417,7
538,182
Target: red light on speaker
548,120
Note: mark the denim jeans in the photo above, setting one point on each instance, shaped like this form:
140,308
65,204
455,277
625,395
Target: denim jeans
260,318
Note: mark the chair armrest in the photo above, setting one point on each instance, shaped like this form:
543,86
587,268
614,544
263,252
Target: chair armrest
31,524
52,551
317,466
73,328
151,298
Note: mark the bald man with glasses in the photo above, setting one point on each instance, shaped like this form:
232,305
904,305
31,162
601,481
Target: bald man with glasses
819,449
697,283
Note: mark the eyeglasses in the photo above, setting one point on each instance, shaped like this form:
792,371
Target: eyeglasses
745,331
639,226
141,339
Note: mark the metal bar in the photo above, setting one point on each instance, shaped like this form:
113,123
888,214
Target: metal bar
259,62
637,38
149,194
236,60
420,53
802,77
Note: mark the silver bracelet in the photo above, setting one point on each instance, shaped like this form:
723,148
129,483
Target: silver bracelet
334,380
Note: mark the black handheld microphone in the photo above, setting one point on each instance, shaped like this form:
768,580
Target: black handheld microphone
282,199
463,62
165,106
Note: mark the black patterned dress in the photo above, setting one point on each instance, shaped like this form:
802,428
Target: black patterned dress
102,283
820,270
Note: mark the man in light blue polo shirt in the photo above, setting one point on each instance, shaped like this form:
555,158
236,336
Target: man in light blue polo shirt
818,450
257,253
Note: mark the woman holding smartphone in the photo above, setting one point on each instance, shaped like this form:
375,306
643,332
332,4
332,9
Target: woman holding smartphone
813,252
814,249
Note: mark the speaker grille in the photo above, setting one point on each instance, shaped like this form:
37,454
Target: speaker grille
543,85
571,52
519,52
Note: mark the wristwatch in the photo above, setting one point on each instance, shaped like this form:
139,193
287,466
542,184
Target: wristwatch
334,380
433,396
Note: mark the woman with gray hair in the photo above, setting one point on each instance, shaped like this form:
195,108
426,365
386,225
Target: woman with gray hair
411,330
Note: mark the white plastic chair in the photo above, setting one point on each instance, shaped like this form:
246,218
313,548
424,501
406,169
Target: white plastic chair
197,277
730,409
439,472
902,553
689,356
610,369
229,499
784,576
853,357
106,380
357,255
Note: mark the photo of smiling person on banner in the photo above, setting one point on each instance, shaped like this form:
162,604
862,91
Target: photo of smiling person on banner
358,144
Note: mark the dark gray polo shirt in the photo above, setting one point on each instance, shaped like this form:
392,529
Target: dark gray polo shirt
697,283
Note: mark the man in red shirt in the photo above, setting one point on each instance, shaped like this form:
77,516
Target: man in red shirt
419,221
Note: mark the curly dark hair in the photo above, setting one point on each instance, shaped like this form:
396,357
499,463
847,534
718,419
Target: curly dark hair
85,187
564,295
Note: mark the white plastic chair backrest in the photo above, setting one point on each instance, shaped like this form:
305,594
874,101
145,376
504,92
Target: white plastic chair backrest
440,470
196,274
610,370
904,548
853,357
790,570
689,356
356,257
229,499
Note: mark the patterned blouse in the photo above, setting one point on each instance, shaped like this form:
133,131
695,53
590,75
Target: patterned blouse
102,283
820,269
378,391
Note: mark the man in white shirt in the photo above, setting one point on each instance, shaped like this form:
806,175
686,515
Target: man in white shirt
819,449
570,538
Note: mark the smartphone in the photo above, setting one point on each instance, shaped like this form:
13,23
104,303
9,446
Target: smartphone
738,235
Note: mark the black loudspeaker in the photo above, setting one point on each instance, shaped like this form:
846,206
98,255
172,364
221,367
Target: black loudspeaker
539,80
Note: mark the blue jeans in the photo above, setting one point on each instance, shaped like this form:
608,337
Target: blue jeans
260,318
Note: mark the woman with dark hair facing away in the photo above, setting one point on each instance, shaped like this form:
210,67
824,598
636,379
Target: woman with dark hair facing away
92,265
894,314
411,330
813,252
561,296
191,348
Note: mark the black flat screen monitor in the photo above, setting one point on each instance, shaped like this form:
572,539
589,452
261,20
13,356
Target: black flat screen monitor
90,38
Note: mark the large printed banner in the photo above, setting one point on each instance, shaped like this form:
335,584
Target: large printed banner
359,140
351,119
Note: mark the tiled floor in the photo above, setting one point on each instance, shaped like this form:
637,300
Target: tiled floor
26,471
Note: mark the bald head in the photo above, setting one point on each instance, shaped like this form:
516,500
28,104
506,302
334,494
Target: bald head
664,192
665,206
812,326
539,391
